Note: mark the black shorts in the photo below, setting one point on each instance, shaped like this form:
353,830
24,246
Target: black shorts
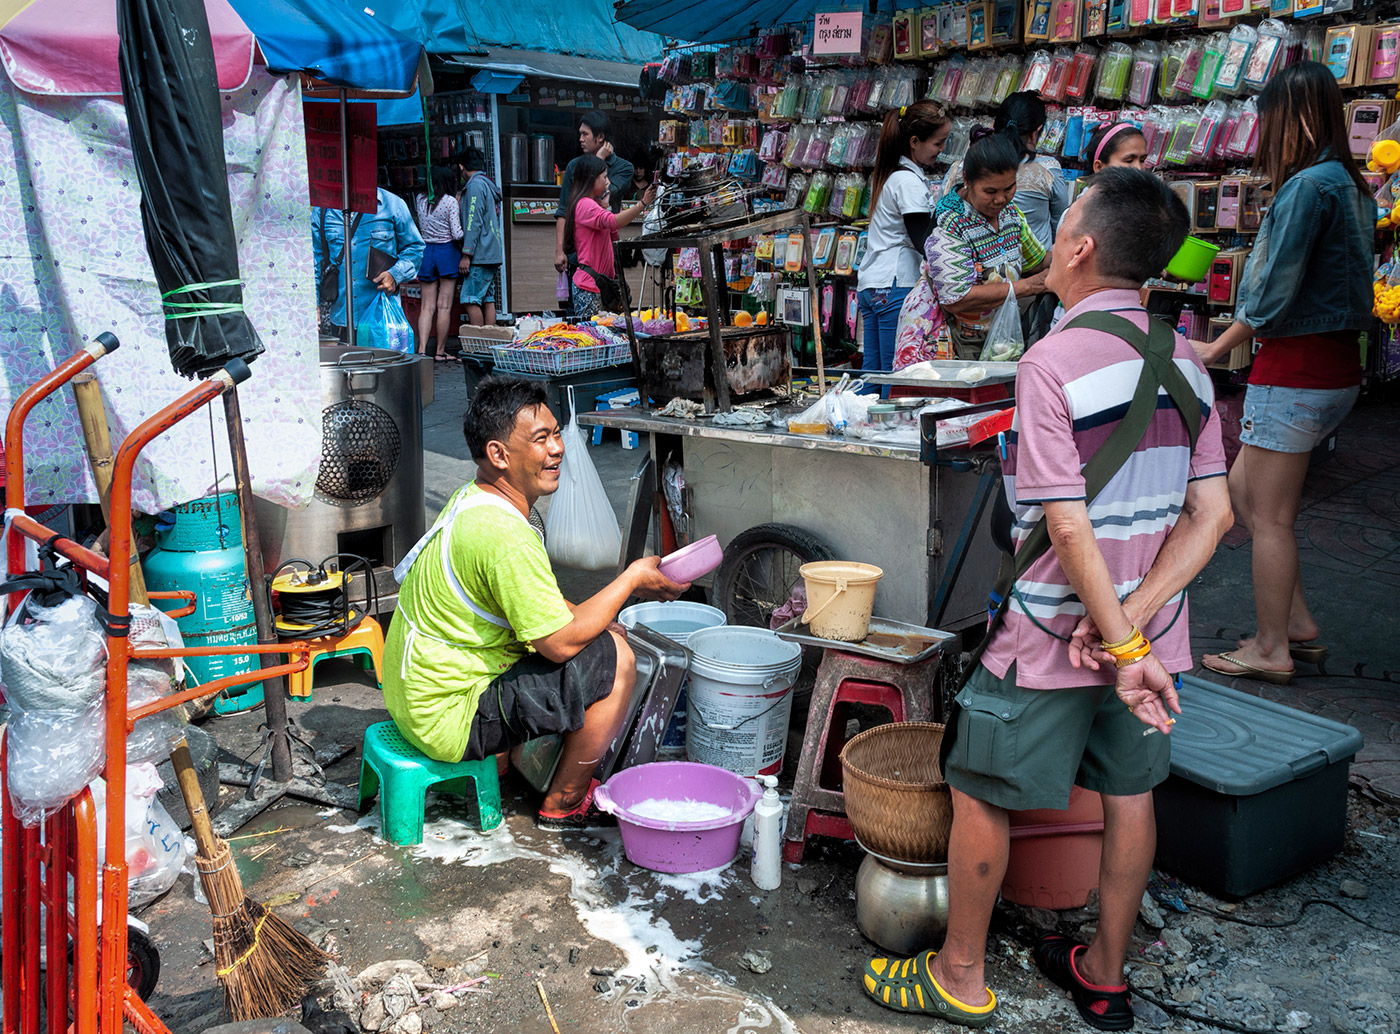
537,697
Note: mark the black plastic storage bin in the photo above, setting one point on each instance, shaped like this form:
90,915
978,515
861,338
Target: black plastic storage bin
1257,791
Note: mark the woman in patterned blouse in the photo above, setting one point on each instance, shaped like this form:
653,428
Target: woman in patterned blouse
980,244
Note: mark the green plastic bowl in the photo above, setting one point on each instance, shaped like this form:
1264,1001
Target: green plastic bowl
1192,260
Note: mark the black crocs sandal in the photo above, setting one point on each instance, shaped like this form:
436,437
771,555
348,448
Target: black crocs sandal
1106,1008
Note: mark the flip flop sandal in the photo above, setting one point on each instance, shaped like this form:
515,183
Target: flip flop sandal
906,985
1308,653
584,815
1107,1008
1249,671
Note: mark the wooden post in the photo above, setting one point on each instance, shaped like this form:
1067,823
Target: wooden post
92,413
716,396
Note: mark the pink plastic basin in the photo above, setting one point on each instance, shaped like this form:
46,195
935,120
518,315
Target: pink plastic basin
693,561
678,846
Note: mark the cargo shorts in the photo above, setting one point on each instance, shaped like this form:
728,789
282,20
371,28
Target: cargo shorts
1026,748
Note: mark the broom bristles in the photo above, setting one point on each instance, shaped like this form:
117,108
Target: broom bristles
264,964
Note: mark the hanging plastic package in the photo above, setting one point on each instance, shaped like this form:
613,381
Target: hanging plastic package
53,656
153,737
385,325
1004,340
581,528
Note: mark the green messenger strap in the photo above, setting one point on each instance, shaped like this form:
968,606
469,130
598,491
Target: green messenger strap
1156,346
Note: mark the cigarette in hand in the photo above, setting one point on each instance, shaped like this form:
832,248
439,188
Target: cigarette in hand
1152,728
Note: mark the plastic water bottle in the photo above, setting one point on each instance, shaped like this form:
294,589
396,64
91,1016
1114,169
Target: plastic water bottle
767,836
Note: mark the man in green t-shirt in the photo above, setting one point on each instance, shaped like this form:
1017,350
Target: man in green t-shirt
483,652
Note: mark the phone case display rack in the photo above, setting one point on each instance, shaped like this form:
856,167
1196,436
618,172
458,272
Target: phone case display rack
51,871
1187,72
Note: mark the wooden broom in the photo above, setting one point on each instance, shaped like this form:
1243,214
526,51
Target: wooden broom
264,964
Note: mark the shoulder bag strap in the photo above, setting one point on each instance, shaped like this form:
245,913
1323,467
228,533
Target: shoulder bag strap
1156,346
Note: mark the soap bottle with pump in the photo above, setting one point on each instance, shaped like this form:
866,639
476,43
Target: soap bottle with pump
767,836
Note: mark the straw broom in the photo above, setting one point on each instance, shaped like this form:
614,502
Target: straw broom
264,964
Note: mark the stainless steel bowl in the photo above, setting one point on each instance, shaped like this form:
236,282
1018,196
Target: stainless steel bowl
903,910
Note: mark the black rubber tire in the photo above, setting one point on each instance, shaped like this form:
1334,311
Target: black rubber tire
803,545
142,963
204,752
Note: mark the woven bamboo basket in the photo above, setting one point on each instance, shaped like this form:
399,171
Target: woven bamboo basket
896,798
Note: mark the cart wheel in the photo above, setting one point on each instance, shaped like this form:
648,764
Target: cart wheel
760,571
142,963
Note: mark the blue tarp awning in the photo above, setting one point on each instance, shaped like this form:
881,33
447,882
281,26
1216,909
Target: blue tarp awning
332,41
586,28
715,21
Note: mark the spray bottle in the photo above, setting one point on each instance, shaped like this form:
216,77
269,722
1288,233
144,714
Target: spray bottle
767,836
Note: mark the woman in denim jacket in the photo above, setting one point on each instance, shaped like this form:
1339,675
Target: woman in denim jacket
1306,296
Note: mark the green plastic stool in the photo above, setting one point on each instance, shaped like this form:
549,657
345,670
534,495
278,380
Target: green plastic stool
406,773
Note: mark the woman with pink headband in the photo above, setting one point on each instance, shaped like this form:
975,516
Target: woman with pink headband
1119,144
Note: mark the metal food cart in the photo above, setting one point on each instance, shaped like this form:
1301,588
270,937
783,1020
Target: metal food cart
777,499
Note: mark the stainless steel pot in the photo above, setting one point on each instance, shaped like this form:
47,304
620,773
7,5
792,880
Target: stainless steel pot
541,158
517,158
369,491
905,909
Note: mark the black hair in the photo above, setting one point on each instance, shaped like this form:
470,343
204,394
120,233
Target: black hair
989,154
587,169
598,124
444,179
494,408
473,159
1109,139
1019,116
1136,221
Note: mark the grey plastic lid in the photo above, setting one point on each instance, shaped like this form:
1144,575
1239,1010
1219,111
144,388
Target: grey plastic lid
1237,744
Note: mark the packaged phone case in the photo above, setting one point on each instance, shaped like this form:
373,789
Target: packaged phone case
1265,57
1081,70
1212,54
1231,74
1114,69
1146,58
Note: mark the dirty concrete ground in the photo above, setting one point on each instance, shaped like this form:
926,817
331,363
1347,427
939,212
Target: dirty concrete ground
619,948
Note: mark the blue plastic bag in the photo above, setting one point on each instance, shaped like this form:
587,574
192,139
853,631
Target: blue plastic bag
385,325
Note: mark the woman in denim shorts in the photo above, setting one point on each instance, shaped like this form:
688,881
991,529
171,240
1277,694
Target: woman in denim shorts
1306,296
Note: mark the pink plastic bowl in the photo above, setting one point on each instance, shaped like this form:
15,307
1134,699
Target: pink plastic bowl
679,846
693,561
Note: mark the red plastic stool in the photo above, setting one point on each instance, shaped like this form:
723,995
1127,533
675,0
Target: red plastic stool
907,691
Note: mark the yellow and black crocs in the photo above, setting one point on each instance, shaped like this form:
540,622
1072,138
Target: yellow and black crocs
906,985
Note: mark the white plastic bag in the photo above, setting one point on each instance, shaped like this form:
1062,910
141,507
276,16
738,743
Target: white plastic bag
155,848
581,528
1004,340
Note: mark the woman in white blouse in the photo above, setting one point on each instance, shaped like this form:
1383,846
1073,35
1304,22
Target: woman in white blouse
440,224
901,213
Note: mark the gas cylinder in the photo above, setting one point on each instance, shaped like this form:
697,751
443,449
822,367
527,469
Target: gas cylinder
199,548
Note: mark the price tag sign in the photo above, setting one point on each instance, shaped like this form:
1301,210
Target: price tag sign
837,32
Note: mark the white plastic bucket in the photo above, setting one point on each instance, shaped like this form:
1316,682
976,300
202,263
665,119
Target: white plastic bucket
741,683
677,620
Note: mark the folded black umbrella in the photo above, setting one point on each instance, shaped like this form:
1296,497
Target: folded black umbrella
170,87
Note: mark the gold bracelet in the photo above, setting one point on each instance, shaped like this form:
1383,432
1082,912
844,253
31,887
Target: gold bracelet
1133,633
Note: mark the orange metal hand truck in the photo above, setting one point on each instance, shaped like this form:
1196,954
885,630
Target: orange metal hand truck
43,910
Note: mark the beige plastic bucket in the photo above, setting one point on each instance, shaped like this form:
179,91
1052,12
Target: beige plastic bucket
840,598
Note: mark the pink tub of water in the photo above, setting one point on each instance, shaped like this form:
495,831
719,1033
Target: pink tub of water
651,803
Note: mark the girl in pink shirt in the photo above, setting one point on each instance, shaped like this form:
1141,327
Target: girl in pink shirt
590,229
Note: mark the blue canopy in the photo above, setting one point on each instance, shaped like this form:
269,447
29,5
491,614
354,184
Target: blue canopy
332,41
583,27
715,21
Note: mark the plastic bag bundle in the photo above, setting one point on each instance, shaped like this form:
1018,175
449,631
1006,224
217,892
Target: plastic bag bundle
53,662
581,528
1004,340
385,325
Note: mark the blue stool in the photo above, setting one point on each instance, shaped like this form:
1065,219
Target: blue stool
615,400
406,773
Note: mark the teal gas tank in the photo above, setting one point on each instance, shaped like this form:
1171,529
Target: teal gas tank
199,548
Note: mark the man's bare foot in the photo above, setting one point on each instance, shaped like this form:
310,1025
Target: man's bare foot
967,985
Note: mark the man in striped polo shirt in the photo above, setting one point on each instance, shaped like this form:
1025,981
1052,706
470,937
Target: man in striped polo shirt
1068,691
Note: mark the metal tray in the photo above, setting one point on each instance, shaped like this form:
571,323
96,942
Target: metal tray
997,373
887,640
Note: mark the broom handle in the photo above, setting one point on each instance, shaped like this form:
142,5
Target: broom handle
87,392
